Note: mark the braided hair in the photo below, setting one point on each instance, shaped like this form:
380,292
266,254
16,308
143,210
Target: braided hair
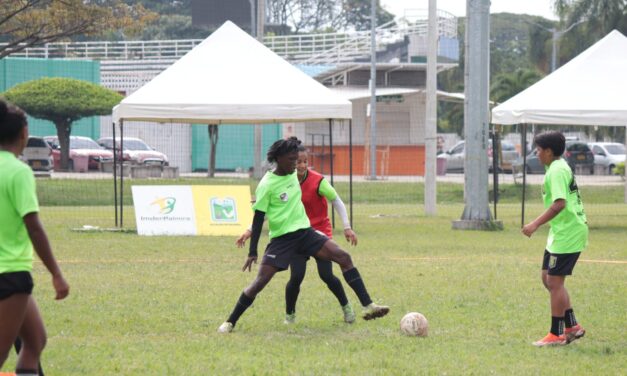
12,121
282,147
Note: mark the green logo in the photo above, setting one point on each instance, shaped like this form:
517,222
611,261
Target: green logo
165,204
223,209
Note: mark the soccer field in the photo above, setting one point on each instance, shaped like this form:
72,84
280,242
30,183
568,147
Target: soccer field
151,305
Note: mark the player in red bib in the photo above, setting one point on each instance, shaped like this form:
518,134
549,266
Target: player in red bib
316,190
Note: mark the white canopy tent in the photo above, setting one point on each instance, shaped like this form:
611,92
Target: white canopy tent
591,89
231,78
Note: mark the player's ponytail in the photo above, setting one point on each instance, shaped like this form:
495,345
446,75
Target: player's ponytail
12,121
282,147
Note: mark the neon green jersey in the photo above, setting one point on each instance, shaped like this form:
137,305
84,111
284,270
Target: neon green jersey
17,198
569,229
326,190
280,198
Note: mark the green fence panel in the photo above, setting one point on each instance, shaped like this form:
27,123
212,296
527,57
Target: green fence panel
235,145
17,70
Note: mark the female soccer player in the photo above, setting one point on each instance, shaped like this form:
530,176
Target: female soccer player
279,200
568,236
20,232
316,190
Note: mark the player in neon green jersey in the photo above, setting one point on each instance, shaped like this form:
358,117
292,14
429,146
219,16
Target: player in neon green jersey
568,236
20,232
278,198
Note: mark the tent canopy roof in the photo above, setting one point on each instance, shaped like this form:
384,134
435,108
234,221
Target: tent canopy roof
591,89
232,78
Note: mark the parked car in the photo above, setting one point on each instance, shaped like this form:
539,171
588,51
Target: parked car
136,151
456,155
80,146
608,154
37,154
576,154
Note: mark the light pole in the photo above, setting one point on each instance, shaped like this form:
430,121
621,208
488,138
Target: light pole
555,37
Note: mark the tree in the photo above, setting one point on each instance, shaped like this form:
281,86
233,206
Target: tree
62,101
27,23
213,142
317,15
506,85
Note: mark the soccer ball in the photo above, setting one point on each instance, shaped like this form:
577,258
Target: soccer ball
414,324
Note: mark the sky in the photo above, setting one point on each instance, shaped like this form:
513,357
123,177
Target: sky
458,7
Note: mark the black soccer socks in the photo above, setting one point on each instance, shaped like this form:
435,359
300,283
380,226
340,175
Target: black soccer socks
354,280
240,307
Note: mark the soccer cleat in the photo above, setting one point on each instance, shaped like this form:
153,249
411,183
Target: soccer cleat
290,318
349,313
226,327
551,340
373,311
574,333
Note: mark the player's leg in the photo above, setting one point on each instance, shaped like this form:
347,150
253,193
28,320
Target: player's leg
12,311
325,271
33,336
332,252
573,330
298,268
246,299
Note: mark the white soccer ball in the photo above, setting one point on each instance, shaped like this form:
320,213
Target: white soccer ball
414,324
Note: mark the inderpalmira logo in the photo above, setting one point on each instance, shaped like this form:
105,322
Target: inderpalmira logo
165,204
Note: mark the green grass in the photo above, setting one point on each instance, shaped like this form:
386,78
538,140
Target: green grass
99,192
151,305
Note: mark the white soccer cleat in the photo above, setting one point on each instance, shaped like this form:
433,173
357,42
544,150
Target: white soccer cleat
226,327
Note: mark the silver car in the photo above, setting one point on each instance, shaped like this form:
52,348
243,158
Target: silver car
607,154
456,155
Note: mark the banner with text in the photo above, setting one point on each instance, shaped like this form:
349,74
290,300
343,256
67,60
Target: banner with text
192,210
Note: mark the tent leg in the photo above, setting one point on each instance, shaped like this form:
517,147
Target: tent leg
331,165
122,175
524,187
625,167
350,168
115,176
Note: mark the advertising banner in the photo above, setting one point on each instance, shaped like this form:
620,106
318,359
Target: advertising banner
191,210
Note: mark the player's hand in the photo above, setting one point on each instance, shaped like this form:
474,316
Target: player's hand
60,286
249,263
350,236
241,241
529,229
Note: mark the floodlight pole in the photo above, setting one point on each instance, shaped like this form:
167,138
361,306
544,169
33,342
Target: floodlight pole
476,215
431,112
373,90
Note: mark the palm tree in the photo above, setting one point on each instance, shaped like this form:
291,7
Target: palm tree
506,85
603,16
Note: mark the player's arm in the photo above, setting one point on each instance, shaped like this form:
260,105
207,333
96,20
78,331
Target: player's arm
41,244
556,207
326,190
254,239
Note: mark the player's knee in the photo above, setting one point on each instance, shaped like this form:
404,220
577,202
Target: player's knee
344,258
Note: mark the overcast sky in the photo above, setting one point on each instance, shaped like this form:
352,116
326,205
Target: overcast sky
458,7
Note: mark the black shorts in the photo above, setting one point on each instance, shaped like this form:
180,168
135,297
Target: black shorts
559,263
15,283
300,243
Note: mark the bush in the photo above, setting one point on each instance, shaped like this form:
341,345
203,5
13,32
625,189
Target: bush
620,169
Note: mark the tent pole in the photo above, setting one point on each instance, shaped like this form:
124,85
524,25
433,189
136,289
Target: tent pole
625,172
524,187
350,168
115,176
331,165
122,174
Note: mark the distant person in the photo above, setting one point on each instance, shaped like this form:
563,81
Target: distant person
20,232
316,190
568,236
278,197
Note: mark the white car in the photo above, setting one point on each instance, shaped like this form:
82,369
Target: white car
37,154
608,154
